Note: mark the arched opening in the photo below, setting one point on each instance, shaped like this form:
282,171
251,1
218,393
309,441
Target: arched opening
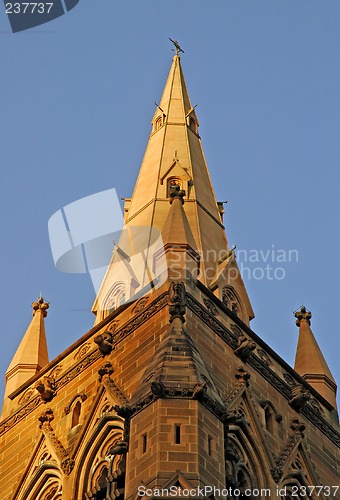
174,183
269,419
76,414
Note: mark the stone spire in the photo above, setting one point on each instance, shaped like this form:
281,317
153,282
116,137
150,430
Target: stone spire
309,360
174,158
31,355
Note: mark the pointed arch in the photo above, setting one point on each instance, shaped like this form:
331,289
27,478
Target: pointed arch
100,471
299,473
44,484
249,459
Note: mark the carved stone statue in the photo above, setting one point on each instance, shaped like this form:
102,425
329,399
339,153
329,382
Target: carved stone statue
105,343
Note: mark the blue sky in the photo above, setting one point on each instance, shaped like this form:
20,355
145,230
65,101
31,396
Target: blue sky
76,104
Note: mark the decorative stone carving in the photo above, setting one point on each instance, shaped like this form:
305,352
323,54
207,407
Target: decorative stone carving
316,406
113,390
200,391
299,397
46,388
157,388
82,351
41,305
140,305
235,417
67,466
230,453
106,369
105,343
120,448
113,326
280,462
242,375
46,417
66,462
210,306
245,348
289,379
236,329
264,357
177,300
297,426
176,192
26,396
55,372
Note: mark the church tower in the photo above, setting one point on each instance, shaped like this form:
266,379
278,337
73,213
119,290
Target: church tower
171,391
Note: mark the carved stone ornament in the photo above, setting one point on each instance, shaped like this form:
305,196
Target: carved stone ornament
235,417
157,388
200,391
82,351
245,348
66,462
105,343
177,192
242,375
303,315
236,330
299,397
67,466
177,300
211,307
46,388
106,369
140,305
119,448
264,357
297,426
46,418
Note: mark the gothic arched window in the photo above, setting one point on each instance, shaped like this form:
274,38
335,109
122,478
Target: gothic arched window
116,296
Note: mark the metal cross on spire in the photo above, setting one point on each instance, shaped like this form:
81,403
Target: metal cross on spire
177,46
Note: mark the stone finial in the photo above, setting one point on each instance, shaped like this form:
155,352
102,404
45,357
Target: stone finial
41,305
177,192
302,315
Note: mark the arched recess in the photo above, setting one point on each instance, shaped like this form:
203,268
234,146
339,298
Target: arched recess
44,484
99,472
248,456
245,467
